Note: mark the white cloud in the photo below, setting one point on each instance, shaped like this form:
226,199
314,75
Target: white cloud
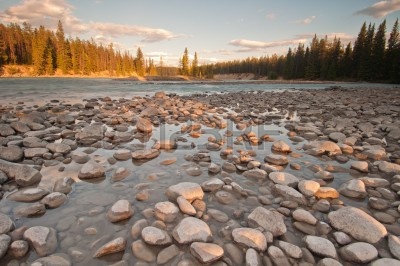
118,30
380,9
249,45
344,37
306,20
48,12
270,16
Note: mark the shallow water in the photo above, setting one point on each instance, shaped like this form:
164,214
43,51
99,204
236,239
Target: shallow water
88,203
34,89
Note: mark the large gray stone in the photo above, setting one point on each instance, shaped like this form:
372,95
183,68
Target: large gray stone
387,167
290,193
43,239
5,241
190,191
320,246
11,154
6,224
190,230
166,211
271,221
358,224
58,148
359,252
284,179
250,238
394,246
24,175
90,170
121,210
206,252
155,236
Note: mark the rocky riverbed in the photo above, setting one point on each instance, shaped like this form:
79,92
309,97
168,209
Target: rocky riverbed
299,177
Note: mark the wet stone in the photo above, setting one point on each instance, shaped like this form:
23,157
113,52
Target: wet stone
225,197
251,238
206,252
190,230
290,193
166,211
18,248
123,155
320,246
269,220
167,254
90,170
185,206
212,184
145,154
359,252
308,187
155,236
11,154
114,246
141,251
5,241
54,200
121,210
358,224
284,179
190,191
6,224
276,159
43,239
28,195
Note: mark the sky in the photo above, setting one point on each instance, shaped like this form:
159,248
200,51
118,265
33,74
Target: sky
218,30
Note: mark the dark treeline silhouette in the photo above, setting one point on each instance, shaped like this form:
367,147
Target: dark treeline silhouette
371,58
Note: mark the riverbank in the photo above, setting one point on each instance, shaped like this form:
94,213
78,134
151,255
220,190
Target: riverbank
290,177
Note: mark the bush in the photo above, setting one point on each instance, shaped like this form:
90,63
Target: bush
272,75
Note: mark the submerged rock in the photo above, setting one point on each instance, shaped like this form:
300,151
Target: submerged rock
114,246
206,252
90,170
190,230
43,239
24,175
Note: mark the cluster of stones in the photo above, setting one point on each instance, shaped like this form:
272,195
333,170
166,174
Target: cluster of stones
361,136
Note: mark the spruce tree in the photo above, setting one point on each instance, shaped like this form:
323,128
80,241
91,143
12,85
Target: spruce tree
393,54
139,63
60,45
358,50
195,66
185,63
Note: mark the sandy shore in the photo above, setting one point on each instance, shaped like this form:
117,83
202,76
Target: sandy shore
291,177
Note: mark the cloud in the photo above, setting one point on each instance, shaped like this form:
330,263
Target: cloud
380,9
48,12
249,45
306,20
118,30
270,16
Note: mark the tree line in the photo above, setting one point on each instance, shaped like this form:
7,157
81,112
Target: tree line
371,58
47,52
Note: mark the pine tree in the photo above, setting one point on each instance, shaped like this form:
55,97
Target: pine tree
345,68
185,63
195,66
359,47
139,63
61,51
378,52
393,54
289,66
3,55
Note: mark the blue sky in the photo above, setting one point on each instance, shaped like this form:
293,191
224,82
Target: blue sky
217,30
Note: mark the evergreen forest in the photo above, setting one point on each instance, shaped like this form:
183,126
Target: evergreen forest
374,56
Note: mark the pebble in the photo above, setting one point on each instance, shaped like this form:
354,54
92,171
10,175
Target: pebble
166,211
121,210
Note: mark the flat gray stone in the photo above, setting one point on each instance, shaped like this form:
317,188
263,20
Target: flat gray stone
250,238
359,252
357,224
271,221
284,179
155,236
190,230
5,241
43,239
206,252
320,246
190,191
6,224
